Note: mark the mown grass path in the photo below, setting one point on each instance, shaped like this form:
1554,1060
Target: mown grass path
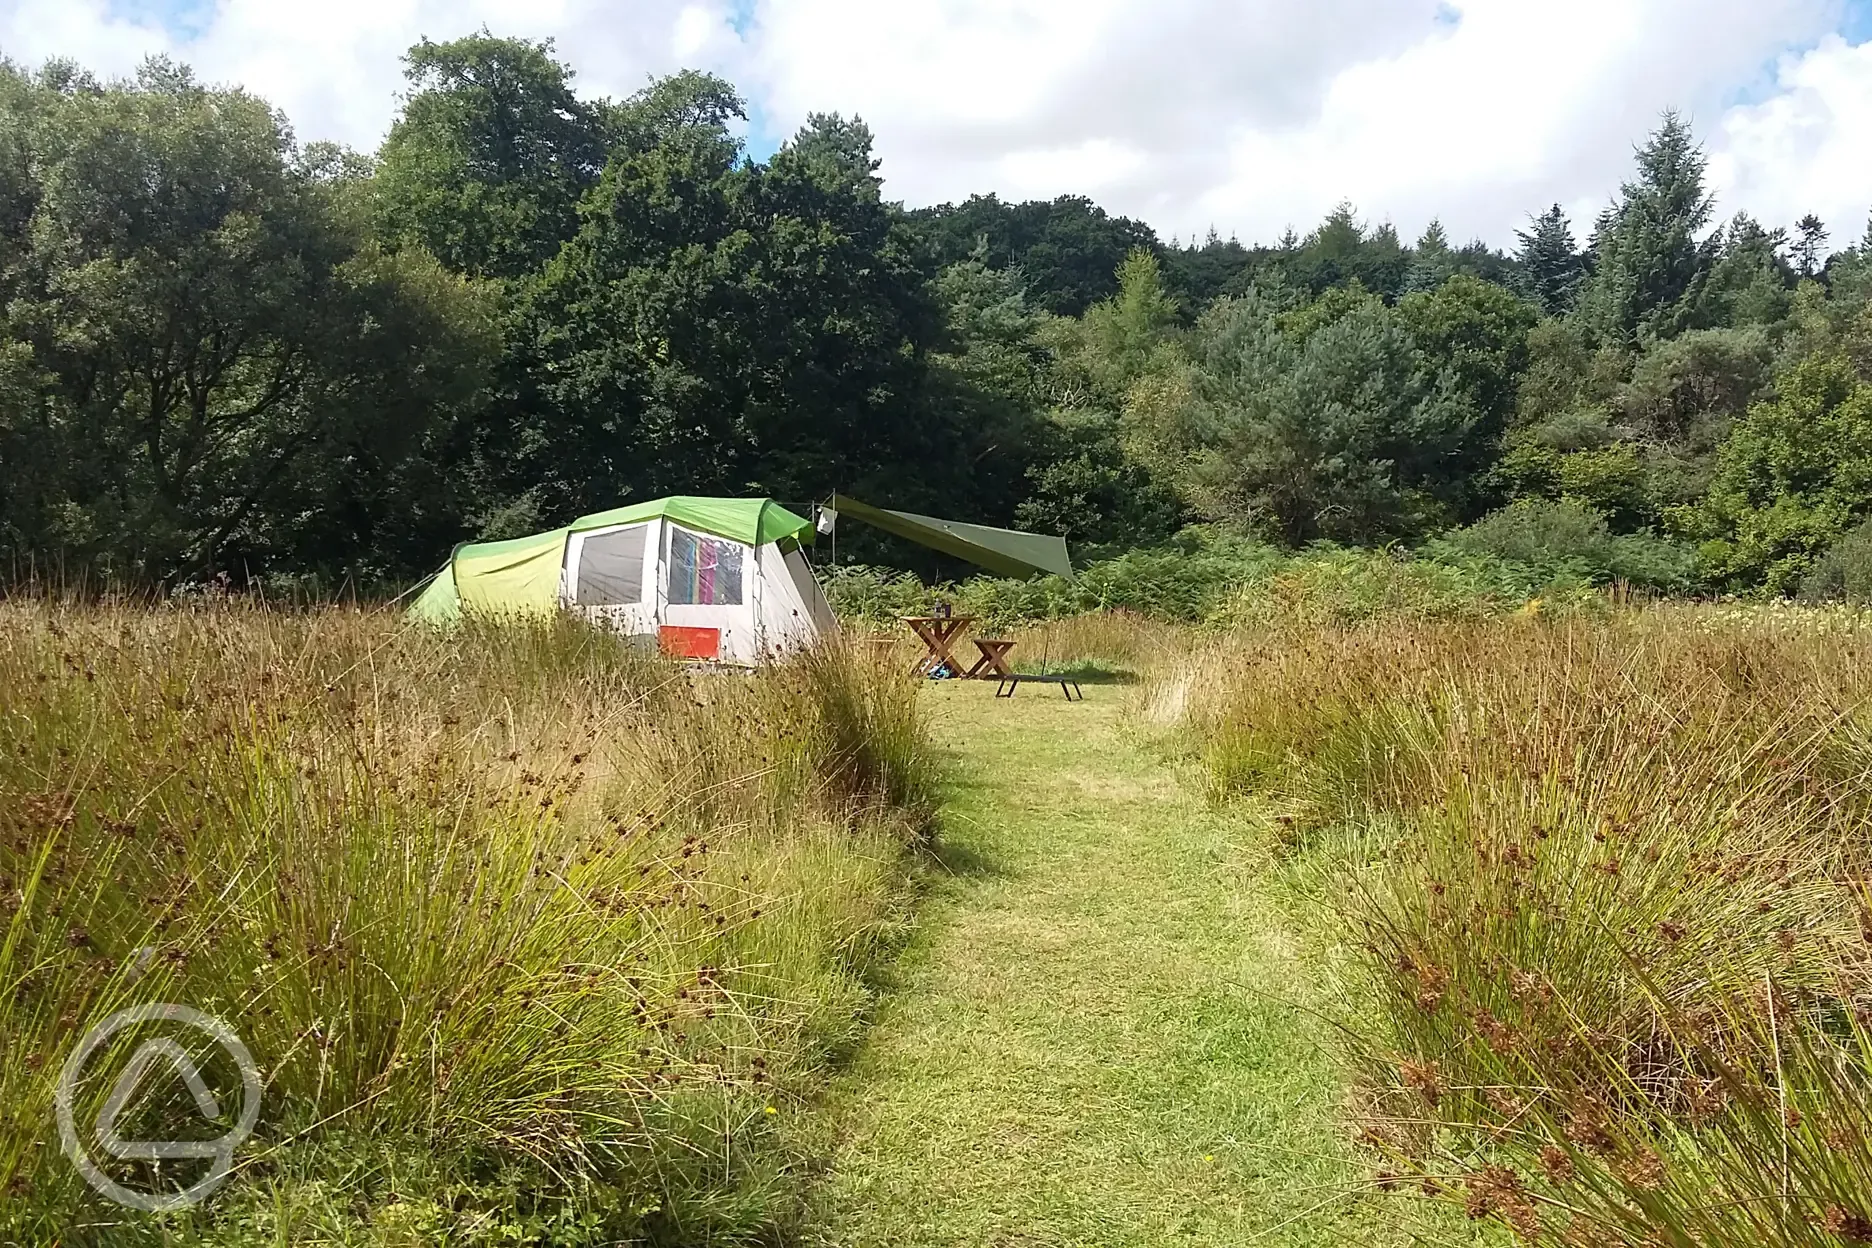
1090,1042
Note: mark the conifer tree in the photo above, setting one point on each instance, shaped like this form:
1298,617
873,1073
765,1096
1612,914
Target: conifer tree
1432,261
1652,258
1551,265
1849,272
1810,236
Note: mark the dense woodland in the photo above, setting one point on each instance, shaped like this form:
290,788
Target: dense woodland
226,353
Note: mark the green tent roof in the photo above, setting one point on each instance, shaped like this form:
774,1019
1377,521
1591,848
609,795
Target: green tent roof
1006,551
521,576
756,521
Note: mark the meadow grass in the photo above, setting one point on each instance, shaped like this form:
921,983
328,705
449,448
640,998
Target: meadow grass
1590,896
535,938
539,939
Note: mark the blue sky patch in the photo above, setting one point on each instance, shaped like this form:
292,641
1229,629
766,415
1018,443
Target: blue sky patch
183,19
763,139
1857,28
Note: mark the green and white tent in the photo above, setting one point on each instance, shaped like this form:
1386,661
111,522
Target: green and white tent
712,578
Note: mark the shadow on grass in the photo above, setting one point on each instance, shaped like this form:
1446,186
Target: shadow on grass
1085,672
897,955
955,858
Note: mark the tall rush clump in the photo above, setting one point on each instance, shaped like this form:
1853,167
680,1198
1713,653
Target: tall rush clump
527,931
1594,898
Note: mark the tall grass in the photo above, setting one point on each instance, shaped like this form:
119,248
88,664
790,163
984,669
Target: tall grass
1593,895
535,939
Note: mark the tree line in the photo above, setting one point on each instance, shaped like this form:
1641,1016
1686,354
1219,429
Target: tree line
224,352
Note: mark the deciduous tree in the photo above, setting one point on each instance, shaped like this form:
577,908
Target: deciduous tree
201,334
486,164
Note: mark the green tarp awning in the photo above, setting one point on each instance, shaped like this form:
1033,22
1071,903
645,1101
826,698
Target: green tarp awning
1003,551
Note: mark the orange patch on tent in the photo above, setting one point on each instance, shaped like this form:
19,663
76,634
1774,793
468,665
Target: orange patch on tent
689,643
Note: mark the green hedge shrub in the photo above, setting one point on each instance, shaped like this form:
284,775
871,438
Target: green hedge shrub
1567,541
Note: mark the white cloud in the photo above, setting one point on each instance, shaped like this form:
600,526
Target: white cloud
83,30
1804,148
1249,115
954,89
1253,116
1092,167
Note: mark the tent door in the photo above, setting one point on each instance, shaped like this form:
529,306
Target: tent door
706,584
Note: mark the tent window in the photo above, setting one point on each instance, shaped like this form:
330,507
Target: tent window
610,570
704,571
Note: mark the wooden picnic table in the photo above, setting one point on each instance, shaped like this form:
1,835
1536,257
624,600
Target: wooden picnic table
939,635
993,664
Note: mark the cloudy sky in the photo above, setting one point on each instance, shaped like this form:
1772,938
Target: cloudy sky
1246,115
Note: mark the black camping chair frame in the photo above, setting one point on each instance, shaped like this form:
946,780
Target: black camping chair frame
1068,686
1011,684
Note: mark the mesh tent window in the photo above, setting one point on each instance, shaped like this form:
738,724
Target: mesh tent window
610,568
704,571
